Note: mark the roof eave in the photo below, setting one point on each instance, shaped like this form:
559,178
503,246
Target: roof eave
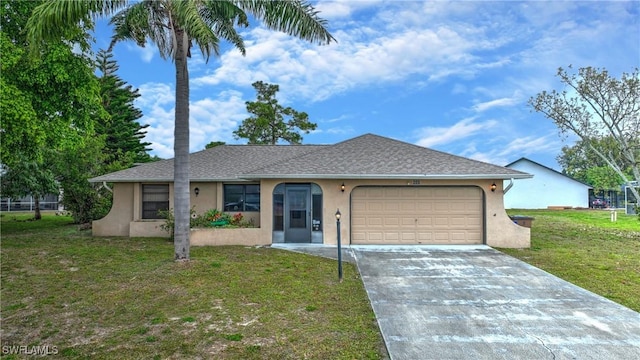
254,177
147,180
98,180
390,176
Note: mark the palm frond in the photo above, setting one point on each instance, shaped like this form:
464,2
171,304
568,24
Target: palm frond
294,17
130,24
145,21
53,18
222,17
188,17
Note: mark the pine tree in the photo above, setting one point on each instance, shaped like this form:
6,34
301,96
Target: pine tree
123,133
271,122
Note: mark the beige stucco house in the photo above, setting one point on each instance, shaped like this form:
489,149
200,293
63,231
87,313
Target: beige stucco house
387,191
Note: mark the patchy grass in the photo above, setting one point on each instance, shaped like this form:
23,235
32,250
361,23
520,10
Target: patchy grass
23,223
584,247
118,298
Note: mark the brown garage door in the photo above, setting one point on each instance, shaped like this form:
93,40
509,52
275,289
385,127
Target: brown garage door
416,215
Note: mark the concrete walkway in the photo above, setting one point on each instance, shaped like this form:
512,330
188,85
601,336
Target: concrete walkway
477,303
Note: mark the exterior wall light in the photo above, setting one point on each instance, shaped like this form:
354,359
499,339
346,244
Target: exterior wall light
342,187
196,191
493,187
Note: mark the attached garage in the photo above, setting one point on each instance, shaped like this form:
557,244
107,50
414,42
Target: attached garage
417,215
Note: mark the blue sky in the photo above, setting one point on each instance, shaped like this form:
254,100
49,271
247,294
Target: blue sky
451,76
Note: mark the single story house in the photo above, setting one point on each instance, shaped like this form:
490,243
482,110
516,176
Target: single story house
387,191
547,188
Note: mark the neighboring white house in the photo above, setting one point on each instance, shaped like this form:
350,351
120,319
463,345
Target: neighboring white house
548,187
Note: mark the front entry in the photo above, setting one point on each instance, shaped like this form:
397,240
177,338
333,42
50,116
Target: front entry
297,214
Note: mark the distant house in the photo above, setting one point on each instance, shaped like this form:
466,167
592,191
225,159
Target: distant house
388,192
547,188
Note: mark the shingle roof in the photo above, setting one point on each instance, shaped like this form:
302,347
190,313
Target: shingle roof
224,162
373,156
366,156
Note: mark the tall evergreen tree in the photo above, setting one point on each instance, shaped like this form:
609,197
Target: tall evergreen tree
123,133
271,122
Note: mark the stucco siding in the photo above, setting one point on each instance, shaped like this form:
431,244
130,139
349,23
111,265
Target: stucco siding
147,228
116,222
499,230
221,236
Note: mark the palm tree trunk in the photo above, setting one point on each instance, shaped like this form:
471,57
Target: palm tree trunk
181,150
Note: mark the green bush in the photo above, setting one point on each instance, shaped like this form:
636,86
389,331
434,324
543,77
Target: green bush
170,220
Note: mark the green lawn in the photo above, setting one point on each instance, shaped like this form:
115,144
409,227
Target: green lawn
117,298
584,247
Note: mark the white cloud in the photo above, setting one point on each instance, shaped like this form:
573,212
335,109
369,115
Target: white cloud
155,94
531,144
364,55
216,119
335,10
432,136
211,119
337,119
502,102
501,151
145,53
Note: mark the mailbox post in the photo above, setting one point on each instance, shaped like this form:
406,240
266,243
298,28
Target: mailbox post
338,215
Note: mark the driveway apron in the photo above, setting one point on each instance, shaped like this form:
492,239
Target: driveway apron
478,303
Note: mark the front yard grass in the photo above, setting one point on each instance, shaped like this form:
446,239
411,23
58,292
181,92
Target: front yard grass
118,298
585,248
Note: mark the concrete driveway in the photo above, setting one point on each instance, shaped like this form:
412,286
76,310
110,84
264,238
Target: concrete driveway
473,302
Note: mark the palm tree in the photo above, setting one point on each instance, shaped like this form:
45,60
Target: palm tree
174,26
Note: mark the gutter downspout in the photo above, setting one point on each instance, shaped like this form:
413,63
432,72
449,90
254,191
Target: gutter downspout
508,186
104,185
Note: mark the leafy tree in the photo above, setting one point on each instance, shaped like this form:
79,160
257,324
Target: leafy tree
73,170
214,144
176,26
19,127
123,134
28,177
594,106
603,178
48,102
581,163
268,125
